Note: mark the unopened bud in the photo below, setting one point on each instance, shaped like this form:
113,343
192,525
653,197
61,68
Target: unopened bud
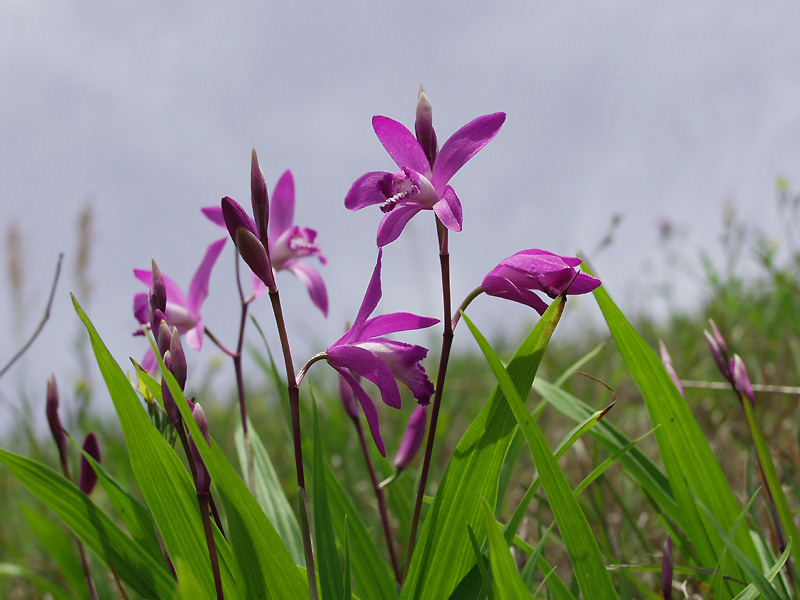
259,196
158,296
88,478
412,439
203,482
255,255
667,568
54,421
740,378
423,127
163,337
178,358
666,359
720,357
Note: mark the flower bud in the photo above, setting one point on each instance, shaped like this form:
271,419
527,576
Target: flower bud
53,420
166,395
412,439
178,359
740,378
667,567
235,217
163,337
88,477
259,196
203,482
255,255
666,359
423,127
719,350
158,289
348,397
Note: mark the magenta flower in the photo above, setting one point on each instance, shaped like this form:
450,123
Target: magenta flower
520,276
417,186
363,351
288,243
182,311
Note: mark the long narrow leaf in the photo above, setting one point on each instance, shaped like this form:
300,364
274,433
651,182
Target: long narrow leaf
443,555
507,583
684,449
587,561
92,526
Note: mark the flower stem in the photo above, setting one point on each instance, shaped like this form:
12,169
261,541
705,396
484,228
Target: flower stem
381,498
294,407
202,499
444,357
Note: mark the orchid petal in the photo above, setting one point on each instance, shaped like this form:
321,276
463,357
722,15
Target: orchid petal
583,284
198,288
281,211
368,406
309,277
259,289
149,362
214,214
403,359
395,221
391,323
463,145
365,191
371,298
448,209
370,367
499,286
141,308
194,336
401,144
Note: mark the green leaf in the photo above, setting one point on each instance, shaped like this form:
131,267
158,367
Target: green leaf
687,457
443,555
587,561
265,567
330,577
485,583
751,591
507,583
60,545
165,484
269,492
99,534
372,575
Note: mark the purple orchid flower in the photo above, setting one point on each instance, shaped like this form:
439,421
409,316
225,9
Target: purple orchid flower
518,277
422,181
182,311
288,243
363,351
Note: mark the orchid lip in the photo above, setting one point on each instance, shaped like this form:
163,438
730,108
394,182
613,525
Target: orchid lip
406,186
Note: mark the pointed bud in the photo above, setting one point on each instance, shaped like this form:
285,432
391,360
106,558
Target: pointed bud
166,395
668,366
741,380
88,478
54,421
723,347
203,482
720,357
423,126
163,337
259,196
667,567
236,217
158,297
348,397
178,359
254,254
412,439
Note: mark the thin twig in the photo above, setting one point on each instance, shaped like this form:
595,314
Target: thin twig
718,385
46,316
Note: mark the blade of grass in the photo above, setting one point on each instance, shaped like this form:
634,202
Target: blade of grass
687,457
330,577
507,583
588,564
443,555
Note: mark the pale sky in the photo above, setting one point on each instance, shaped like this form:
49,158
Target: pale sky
651,111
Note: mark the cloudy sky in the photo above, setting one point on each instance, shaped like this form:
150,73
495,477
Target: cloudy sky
149,110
